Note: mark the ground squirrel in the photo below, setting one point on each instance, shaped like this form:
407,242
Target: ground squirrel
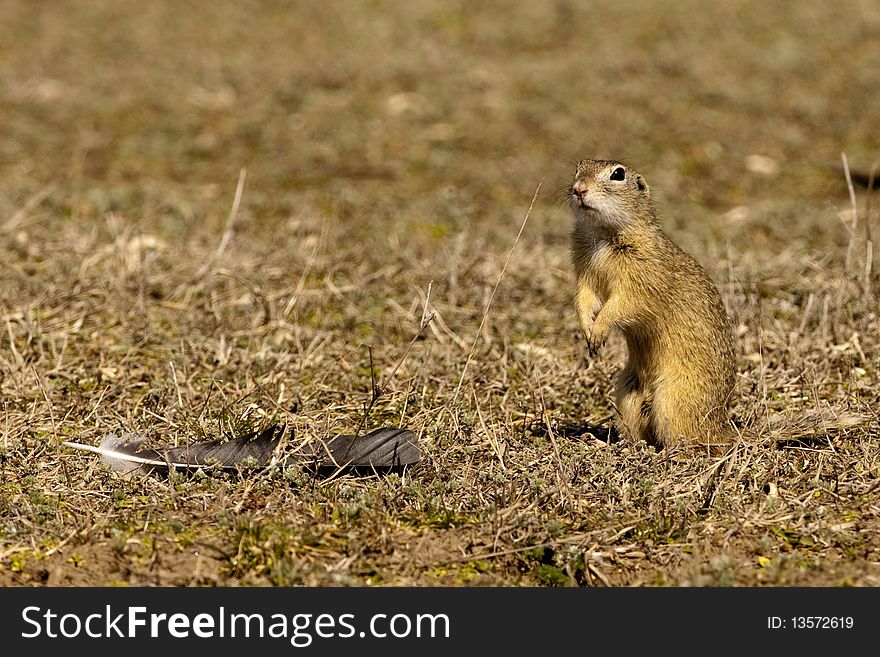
630,275
681,368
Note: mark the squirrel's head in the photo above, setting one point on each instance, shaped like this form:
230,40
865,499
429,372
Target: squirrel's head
608,192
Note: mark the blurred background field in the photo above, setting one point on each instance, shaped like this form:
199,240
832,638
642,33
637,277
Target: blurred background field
389,146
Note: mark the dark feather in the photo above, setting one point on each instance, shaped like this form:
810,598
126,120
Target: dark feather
381,450
253,450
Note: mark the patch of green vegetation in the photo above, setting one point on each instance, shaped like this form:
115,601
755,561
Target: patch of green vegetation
44,508
438,519
550,567
124,500
548,575
18,561
466,573
793,539
274,552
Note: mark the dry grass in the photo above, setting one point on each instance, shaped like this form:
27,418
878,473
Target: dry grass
390,147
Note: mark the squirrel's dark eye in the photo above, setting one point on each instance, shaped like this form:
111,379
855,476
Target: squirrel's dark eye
618,174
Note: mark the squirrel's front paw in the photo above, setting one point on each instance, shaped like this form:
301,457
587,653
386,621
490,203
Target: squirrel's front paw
595,340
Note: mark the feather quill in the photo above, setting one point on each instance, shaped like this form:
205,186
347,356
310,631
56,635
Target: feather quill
381,450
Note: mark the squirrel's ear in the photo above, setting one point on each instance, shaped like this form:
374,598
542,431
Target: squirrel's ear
643,186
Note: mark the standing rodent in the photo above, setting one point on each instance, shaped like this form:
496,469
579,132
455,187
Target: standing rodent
630,275
680,374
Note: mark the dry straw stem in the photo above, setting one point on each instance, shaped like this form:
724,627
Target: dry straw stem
17,220
852,227
376,391
492,297
208,267
854,211
869,246
230,223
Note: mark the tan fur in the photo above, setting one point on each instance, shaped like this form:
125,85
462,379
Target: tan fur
631,276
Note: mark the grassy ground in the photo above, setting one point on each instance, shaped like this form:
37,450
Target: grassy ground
393,148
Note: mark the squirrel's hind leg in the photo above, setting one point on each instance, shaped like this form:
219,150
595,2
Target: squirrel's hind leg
633,405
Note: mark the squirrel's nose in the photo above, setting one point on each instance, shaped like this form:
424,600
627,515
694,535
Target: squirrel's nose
579,189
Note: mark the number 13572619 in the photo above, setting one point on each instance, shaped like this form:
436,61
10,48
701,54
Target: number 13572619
810,622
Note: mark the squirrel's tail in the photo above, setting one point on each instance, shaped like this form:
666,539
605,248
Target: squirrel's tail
788,426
